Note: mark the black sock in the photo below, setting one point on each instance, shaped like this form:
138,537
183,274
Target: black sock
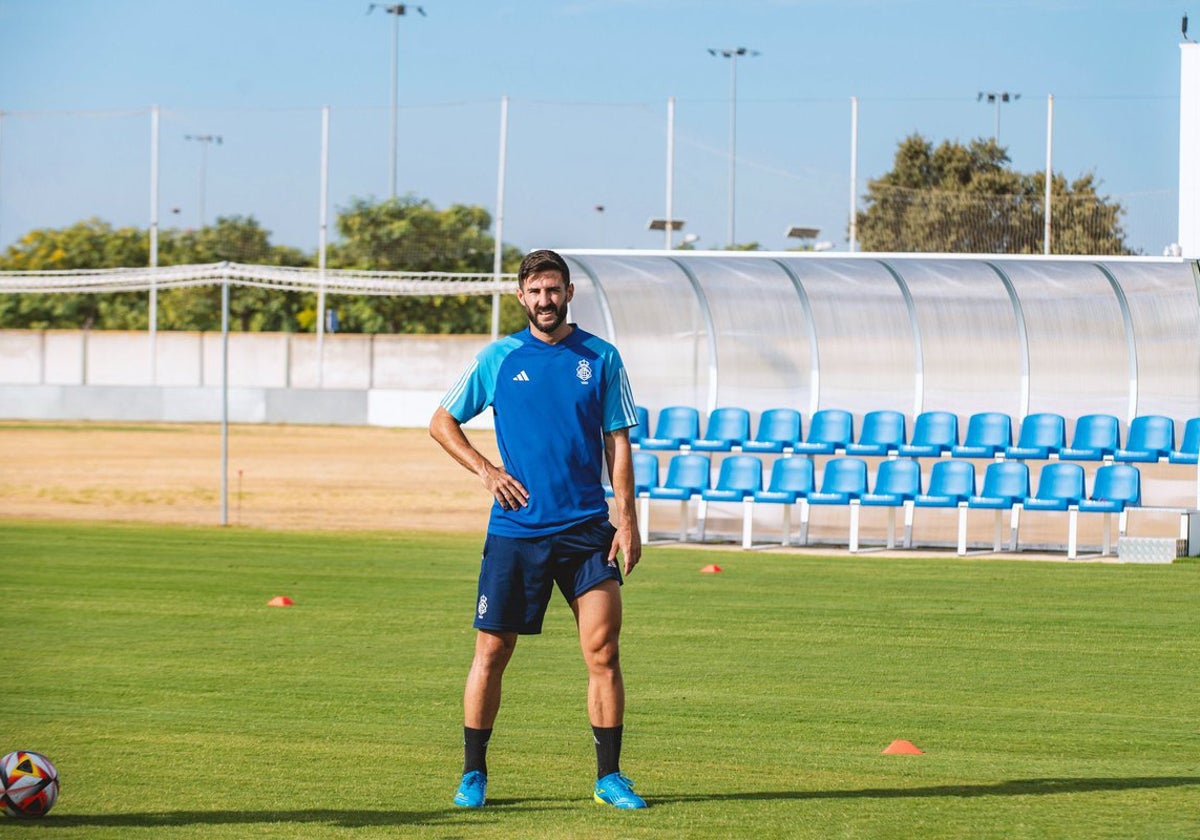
475,742
608,749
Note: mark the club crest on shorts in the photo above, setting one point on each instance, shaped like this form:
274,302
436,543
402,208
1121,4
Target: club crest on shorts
482,608
583,371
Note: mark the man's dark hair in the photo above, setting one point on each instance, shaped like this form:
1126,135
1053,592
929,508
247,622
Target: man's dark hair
543,260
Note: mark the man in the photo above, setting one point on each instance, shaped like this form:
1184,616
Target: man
562,407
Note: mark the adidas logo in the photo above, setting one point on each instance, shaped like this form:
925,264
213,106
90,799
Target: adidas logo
521,377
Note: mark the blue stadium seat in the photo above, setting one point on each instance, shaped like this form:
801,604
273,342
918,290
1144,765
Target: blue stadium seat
989,433
645,476
636,433
688,475
739,478
790,483
934,434
778,431
883,432
844,480
1005,487
645,472
727,427
1042,435
1097,437
1115,488
678,425
843,483
829,431
951,483
897,484
1059,486
1151,439
1190,447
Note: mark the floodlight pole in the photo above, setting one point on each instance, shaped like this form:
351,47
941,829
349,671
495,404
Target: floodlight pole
853,174
322,245
395,121
670,171
154,114
994,97
1049,169
732,54
205,140
396,11
225,396
152,306
498,246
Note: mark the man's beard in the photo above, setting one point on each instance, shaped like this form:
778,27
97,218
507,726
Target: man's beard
560,316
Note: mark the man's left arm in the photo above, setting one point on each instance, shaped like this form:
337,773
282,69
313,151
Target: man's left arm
619,455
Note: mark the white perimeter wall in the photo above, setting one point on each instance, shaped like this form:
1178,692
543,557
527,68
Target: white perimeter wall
384,380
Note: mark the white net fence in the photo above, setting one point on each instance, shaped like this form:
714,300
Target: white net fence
331,281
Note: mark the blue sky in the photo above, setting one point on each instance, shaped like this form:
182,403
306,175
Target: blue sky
588,82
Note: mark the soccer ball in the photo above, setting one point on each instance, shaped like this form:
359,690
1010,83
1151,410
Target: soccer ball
28,784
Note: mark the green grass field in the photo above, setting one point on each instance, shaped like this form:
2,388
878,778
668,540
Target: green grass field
1051,699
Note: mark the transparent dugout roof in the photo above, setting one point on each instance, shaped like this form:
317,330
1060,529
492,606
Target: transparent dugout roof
864,332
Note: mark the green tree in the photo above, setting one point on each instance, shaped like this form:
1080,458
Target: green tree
966,199
231,239
95,244
84,245
410,234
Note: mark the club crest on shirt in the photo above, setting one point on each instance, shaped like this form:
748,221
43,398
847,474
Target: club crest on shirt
583,371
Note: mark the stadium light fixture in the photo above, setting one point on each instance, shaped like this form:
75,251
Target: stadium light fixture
397,11
996,98
667,227
205,140
803,232
732,53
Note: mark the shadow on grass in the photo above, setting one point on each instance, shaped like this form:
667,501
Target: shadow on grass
318,816
1015,787
365,818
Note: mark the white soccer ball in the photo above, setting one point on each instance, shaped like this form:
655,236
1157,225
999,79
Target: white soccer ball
28,784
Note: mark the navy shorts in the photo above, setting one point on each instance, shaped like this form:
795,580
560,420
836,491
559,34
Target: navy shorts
517,575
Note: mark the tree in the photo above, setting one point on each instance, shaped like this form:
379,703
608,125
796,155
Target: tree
84,245
232,239
408,234
95,244
966,199
411,234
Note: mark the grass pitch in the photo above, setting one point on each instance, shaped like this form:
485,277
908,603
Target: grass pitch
1051,699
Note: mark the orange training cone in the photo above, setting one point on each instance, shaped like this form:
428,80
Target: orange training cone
710,569
280,601
899,747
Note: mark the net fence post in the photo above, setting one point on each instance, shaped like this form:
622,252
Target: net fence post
498,251
225,393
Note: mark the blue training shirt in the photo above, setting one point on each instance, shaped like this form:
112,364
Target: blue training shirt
552,405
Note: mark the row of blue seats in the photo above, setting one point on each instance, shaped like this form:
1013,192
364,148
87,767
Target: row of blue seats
898,484
1097,437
